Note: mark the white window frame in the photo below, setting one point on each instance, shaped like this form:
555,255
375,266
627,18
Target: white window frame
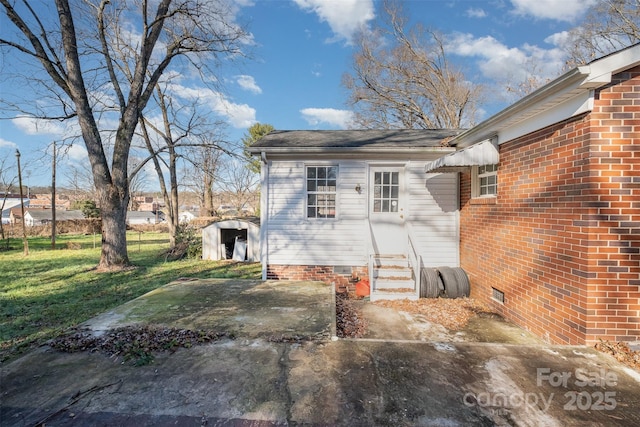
324,192
392,203
477,185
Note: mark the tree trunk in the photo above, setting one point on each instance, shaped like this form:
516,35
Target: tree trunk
209,209
113,208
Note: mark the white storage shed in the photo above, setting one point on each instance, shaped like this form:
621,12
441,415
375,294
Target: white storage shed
237,239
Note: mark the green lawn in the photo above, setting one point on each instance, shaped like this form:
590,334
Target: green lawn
48,291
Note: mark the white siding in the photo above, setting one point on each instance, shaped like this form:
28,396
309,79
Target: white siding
433,215
292,239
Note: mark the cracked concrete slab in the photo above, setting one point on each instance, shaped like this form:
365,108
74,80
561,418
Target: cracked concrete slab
253,381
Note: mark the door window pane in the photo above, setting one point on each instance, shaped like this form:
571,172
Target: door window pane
386,191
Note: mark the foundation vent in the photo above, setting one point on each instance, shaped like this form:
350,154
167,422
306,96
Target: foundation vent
498,295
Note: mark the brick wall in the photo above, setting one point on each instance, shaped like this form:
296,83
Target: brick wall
323,273
562,239
613,299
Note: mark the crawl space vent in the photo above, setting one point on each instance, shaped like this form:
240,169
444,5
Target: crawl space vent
498,295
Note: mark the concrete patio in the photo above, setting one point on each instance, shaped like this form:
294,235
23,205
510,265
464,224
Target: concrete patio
257,379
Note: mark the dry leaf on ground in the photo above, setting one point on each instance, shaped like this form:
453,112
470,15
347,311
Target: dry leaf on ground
453,314
621,352
349,320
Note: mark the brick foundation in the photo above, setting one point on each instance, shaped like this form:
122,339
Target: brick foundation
323,273
562,239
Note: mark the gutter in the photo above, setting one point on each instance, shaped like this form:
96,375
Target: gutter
296,151
264,214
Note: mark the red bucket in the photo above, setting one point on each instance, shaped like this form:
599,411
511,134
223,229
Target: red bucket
362,288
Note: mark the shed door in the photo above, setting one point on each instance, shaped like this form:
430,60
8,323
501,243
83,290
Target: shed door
387,210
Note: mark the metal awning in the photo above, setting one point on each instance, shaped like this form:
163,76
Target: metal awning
480,154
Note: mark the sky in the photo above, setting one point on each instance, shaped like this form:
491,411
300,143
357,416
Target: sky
300,49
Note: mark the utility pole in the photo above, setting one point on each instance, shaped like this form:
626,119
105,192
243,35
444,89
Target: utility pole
25,242
53,198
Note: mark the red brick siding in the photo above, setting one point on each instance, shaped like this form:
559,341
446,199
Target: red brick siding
613,300
322,273
563,240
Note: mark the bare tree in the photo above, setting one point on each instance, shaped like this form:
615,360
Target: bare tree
168,143
239,182
137,180
402,78
532,80
80,180
183,132
8,178
76,53
203,170
608,26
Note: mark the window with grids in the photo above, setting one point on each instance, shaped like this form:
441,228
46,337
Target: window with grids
321,191
487,180
386,190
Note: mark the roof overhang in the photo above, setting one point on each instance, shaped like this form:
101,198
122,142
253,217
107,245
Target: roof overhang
483,153
567,96
359,153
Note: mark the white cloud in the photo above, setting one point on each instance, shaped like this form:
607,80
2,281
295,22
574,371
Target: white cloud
336,118
476,13
248,83
77,152
565,10
502,63
7,144
345,17
240,116
33,126
558,39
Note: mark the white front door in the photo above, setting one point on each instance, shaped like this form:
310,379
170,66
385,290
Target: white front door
387,210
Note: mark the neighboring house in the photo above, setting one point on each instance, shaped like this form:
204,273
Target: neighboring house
144,217
186,217
540,204
33,217
15,216
43,201
337,204
11,203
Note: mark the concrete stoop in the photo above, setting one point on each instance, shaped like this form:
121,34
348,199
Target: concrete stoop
392,279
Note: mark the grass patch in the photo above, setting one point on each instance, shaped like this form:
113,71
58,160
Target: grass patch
49,291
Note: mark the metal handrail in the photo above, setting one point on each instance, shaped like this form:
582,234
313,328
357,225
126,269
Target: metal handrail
370,252
415,260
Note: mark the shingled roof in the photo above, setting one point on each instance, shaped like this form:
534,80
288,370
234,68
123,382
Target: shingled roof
352,140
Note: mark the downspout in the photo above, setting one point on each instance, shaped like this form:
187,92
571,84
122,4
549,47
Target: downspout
264,214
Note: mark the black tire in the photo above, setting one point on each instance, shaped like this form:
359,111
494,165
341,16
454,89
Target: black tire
429,283
464,285
450,281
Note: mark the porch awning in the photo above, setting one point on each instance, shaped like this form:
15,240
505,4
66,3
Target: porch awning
480,154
